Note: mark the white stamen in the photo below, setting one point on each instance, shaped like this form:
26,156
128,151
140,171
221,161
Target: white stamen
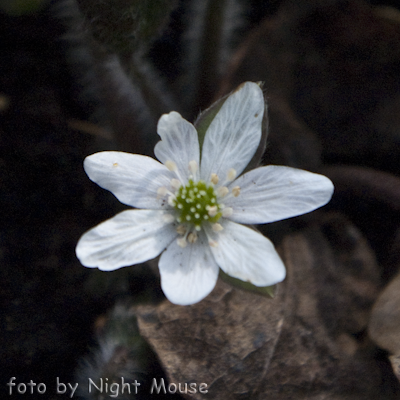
236,191
227,212
181,229
217,227
175,183
172,201
192,237
193,167
192,209
212,211
182,242
188,217
213,243
231,175
222,191
162,191
168,218
180,206
198,206
214,178
198,228
197,215
170,165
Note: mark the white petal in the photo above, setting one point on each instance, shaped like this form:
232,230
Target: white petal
188,274
234,135
132,178
246,254
131,237
179,143
272,193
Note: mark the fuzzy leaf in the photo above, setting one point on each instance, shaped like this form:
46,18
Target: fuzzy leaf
20,7
125,26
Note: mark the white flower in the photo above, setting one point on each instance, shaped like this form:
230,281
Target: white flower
193,209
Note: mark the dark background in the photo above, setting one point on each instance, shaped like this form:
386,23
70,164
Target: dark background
50,302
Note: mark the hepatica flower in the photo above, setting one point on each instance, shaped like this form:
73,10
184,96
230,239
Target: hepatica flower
190,206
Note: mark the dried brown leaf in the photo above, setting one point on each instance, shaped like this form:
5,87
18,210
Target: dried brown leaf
384,326
302,344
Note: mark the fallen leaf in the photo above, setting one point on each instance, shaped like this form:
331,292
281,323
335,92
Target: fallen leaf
305,343
384,326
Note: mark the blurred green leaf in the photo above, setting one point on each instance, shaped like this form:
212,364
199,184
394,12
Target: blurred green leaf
21,7
268,291
125,26
204,120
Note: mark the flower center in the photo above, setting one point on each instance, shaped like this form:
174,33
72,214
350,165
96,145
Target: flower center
196,202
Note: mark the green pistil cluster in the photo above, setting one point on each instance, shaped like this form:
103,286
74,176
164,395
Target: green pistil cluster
197,202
